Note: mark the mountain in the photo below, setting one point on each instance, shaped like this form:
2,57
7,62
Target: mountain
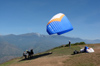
14,45
37,41
40,42
8,51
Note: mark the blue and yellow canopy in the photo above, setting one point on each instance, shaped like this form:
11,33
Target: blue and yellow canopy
59,24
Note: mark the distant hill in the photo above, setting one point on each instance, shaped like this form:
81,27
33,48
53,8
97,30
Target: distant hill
8,51
16,44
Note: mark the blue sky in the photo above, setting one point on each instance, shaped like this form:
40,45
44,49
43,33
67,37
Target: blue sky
27,16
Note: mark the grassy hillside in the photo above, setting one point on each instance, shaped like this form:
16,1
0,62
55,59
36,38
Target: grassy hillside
61,56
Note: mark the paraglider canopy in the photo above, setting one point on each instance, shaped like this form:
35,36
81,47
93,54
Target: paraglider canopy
87,49
59,24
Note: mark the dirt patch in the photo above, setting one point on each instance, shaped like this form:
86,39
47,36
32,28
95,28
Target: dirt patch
44,61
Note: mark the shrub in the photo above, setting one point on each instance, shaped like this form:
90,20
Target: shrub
81,43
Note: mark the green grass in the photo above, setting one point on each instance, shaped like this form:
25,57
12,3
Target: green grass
64,50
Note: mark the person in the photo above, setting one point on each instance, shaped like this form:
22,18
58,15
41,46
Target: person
75,52
24,54
31,51
69,44
85,48
29,54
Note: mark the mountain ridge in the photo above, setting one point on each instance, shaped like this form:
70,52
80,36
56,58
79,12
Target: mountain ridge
36,41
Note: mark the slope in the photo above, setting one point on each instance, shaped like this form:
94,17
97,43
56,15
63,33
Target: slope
61,56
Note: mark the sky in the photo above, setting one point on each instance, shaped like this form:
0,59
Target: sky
28,16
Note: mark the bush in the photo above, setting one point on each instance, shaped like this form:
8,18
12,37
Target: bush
77,43
81,43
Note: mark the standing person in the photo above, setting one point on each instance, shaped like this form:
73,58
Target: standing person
69,44
24,54
31,51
